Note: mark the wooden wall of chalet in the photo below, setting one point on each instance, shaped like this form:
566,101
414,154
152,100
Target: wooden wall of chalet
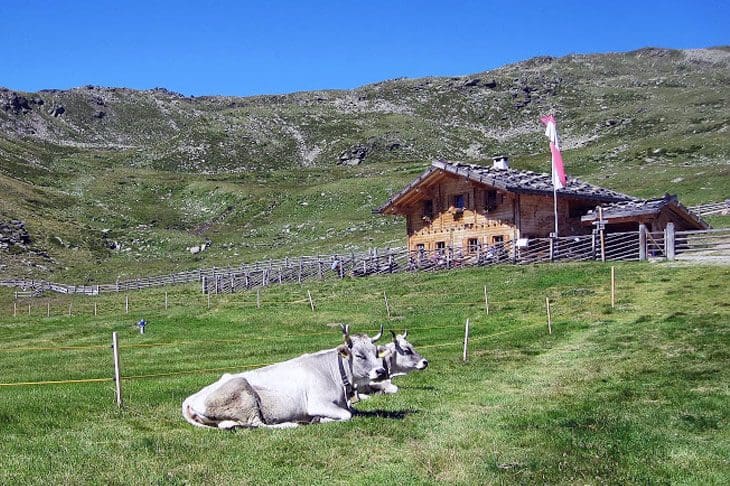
514,216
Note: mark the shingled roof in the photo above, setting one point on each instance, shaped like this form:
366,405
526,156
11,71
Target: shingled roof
646,207
517,181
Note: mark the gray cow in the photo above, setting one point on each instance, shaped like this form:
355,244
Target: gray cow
314,387
400,358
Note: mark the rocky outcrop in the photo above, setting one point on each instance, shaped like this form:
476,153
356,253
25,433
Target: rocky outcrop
13,234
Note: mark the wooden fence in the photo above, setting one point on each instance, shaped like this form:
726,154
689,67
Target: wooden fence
712,208
637,245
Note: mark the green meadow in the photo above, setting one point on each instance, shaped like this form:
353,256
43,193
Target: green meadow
635,393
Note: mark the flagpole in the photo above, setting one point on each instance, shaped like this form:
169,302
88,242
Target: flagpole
555,208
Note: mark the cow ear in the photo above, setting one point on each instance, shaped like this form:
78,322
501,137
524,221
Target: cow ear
343,350
348,340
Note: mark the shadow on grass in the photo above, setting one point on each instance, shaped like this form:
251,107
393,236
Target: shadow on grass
389,414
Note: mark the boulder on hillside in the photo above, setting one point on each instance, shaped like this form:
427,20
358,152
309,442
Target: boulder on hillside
354,155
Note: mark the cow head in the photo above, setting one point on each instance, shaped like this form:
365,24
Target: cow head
404,358
363,355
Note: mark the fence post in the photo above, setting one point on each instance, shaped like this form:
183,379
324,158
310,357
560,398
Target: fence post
15,309
669,241
204,284
300,270
165,300
117,369
642,242
486,300
602,233
613,287
311,302
466,339
593,245
95,312
552,249
549,316
48,309
319,267
387,307
126,304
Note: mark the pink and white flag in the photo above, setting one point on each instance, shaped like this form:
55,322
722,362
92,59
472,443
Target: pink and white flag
551,132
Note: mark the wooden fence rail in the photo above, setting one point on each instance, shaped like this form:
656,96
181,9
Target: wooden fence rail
711,208
626,246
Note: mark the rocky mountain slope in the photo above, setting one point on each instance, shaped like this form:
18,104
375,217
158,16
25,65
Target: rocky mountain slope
101,152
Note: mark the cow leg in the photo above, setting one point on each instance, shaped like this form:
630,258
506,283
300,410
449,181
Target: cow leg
330,413
388,387
234,404
282,425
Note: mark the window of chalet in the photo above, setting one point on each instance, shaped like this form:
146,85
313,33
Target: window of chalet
441,247
490,200
459,201
459,205
427,210
497,239
473,245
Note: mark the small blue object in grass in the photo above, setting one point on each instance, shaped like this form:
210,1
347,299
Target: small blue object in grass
141,324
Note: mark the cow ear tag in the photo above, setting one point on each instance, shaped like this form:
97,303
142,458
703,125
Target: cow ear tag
384,353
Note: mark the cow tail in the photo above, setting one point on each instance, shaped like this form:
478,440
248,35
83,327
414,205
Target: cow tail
192,417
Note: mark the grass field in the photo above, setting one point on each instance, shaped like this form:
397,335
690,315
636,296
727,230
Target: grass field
638,393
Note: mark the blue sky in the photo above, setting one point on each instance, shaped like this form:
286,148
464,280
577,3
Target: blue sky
245,48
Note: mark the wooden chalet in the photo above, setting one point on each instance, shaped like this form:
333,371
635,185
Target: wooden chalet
465,207
654,214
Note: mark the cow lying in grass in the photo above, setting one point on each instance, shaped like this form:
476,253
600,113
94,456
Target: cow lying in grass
314,387
400,358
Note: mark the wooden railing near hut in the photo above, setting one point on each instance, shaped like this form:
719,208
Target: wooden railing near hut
704,246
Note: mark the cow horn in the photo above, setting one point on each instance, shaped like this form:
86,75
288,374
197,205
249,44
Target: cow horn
405,333
395,336
378,335
346,334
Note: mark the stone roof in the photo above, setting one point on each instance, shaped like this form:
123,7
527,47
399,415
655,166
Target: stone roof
517,181
638,207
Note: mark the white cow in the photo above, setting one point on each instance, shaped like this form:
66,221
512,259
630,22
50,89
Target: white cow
314,387
400,358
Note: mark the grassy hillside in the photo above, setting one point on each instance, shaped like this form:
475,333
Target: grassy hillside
635,394
272,175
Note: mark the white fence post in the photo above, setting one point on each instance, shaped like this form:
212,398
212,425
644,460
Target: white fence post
117,369
642,242
466,340
669,241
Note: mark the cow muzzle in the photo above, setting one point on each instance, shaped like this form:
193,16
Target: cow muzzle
422,365
378,374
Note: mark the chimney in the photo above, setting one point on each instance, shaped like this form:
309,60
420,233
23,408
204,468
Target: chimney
500,162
